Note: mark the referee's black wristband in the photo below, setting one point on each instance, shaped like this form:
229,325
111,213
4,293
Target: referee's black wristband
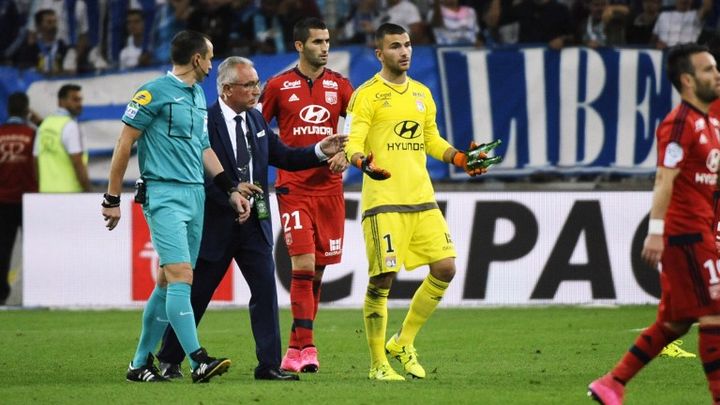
223,181
110,201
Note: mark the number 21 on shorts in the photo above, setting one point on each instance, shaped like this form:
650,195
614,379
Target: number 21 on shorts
295,217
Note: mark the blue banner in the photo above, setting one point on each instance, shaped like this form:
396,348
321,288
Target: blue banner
573,111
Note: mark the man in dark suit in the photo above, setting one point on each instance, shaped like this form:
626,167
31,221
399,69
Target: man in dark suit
245,145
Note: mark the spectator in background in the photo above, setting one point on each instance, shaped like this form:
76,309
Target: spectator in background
680,25
213,18
268,28
44,50
333,12
358,27
17,176
169,20
639,29
453,24
407,15
60,146
242,33
292,11
539,21
73,29
604,24
132,54
11,24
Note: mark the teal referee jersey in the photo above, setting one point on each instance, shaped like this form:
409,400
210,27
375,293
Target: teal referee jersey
173,119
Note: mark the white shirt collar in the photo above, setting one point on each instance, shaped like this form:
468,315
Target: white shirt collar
229,114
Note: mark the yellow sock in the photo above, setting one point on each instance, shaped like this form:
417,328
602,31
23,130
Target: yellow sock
423,304
375,315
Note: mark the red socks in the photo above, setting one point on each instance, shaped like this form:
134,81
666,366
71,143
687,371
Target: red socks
303,308
709,346
317,288
647,346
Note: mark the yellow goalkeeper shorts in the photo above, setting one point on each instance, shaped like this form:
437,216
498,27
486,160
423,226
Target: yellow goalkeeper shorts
409,239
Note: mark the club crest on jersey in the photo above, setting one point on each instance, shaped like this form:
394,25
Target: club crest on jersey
390,261
331,97
330,84
703,139
699,124
673,155
420,105
293,97
713,160
288,239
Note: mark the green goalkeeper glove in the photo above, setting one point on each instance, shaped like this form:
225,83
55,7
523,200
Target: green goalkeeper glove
368,167
475,160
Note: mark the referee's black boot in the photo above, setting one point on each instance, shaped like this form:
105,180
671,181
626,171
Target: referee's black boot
208,367
145,373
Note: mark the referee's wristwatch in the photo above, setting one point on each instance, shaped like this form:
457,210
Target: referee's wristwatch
110,201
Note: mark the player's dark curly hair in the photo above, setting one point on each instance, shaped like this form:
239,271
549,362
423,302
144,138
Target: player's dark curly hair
301,30
678,61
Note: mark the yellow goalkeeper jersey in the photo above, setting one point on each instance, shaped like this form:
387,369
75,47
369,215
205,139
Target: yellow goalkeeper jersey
397,124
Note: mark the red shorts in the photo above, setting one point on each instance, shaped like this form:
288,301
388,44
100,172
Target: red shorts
313,224
689,278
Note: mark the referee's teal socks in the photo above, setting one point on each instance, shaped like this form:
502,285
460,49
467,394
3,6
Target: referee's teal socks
182,319
154,323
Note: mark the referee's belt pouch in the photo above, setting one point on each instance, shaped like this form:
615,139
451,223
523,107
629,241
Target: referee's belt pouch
140,191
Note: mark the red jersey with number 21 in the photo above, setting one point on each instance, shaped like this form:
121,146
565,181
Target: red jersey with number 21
307,111
689,140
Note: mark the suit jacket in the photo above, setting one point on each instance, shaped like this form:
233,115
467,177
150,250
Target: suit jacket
268,150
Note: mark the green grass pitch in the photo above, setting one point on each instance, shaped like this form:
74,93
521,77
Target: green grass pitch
536,355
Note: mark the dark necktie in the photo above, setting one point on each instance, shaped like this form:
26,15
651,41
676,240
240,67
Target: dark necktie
242,155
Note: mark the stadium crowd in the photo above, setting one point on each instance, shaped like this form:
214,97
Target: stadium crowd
65,37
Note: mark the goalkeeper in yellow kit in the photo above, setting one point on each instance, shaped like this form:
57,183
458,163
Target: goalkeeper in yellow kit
391,126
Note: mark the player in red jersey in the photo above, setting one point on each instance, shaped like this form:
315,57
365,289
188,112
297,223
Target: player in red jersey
17,176
681,234
307,102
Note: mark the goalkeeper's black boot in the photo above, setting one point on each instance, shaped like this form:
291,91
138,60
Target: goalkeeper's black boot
208,367
146,373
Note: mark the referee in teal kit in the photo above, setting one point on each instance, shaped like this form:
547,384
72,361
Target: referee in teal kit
168,118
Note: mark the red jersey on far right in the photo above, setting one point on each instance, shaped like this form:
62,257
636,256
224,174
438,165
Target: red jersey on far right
690,141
